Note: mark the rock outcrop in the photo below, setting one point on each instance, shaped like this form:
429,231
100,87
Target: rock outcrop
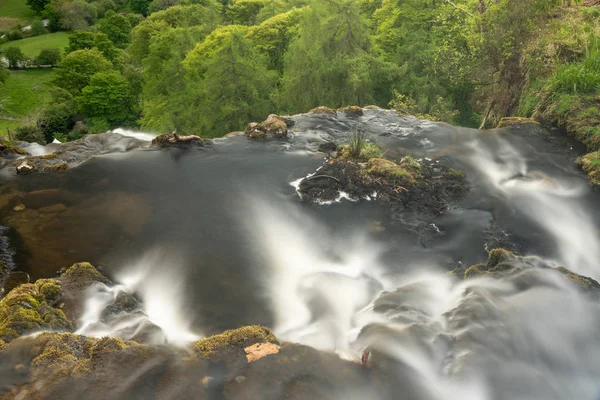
182,142
274,127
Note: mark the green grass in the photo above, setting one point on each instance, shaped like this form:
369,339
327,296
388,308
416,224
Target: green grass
14,12
7,124
17,96
31,46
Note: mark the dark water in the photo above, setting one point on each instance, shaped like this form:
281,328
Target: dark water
220,238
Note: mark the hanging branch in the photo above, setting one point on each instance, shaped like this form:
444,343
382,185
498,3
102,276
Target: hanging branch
459,8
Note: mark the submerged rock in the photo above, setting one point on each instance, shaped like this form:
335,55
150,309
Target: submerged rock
181,142
274,127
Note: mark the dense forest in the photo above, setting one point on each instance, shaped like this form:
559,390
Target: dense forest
210,67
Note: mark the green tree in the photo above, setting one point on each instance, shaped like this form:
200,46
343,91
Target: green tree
37,5
116,27
77,15
108,97
108,49
332,62
15,57
234,83
30,134
37,28
243,12
76,69
79,40
140,6
58,117
48,57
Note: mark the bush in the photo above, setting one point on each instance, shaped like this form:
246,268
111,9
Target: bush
37,28
15,35
48,57
579,77
30,133
57,118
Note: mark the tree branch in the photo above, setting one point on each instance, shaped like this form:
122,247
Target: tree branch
459,8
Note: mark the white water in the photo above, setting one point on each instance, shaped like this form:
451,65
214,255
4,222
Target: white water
145,136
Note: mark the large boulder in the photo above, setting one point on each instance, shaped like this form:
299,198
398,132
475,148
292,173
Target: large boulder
181,142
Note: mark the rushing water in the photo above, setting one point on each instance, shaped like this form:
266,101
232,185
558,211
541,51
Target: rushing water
218,238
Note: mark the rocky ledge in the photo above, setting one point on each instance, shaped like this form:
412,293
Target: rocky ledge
181,142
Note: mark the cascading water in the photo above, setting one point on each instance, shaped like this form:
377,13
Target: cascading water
349,276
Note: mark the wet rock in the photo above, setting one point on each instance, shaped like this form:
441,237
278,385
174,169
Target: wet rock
44,198
274,127
327,147
19,207
9,150
260,350
24,168
74,153
55,208
182,142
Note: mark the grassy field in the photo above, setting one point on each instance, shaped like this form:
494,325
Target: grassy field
31,46
14,12
24,92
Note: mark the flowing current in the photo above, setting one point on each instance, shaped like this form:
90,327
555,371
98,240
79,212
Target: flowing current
219,238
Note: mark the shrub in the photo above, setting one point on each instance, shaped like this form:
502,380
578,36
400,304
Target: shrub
48,57
357,144
14,35
30,134
37,28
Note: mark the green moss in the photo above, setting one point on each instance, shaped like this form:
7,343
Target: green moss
50,156
390,171
475,270
56,167
498,255
351,111
233,341
323,110
6,147
590,164
29,308
456,174
82,275
512,122
583,282
367,151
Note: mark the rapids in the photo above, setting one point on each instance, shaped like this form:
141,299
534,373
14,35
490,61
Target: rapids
219,238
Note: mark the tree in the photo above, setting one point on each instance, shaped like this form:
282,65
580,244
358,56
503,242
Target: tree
4,74
332,62
108,97
15,57
76,69
243,12
116,27
30,133
140,6
79,40
234,82
48,57
37,28
37,5
77,15
58,117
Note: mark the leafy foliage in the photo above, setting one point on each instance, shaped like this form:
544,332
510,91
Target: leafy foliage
76,69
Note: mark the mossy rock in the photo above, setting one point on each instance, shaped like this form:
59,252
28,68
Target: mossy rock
590,164
583,282
368,151
390,171
231,343
498,263
274,127
32,307
352,111
323,111
7,149
167,140
515,122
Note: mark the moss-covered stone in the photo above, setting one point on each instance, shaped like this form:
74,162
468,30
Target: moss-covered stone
183,142
231,343
31,307
514,122
8,149
323,110
274,127
367,151
590,164
352,111
583,282
390,171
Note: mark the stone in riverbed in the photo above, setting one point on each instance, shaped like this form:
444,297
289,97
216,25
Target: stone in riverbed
274,127
24,168
182,142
